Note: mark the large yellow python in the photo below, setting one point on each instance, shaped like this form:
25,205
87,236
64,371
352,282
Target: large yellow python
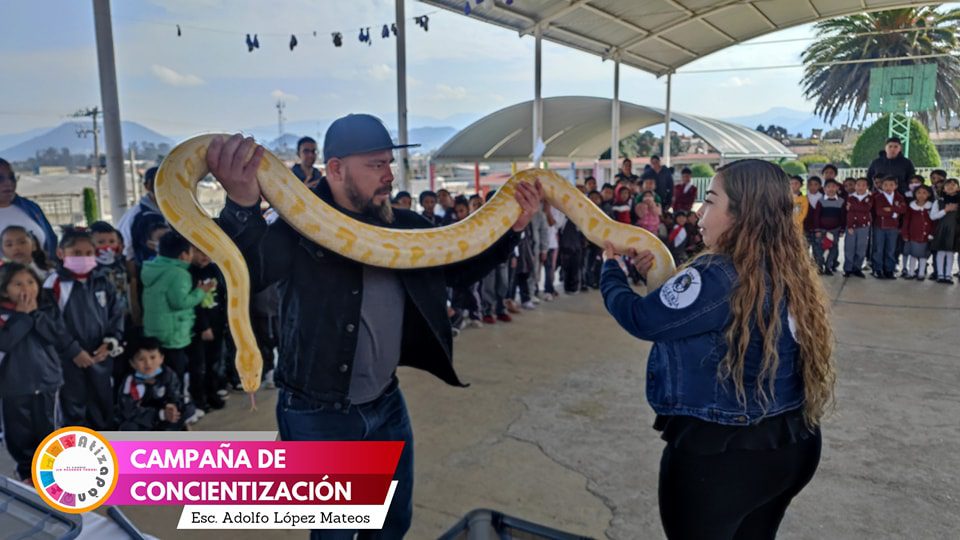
176,185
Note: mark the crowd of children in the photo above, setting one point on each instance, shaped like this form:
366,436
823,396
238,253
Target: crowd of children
551,244
91,338
881,223
126,328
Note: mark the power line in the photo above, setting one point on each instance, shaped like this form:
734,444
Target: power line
860,34
184,27
837,63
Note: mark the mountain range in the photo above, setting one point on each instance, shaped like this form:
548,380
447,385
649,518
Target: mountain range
25,145
793,120
430,133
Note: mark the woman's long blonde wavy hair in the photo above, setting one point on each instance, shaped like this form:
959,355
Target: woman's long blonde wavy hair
763,240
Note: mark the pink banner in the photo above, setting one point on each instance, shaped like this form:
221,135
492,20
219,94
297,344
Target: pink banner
245,472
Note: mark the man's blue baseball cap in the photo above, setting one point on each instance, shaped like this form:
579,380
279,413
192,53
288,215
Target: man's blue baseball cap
357,134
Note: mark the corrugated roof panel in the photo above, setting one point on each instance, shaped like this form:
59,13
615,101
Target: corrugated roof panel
701,26
578,127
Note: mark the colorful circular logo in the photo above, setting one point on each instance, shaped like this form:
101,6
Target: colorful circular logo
75,469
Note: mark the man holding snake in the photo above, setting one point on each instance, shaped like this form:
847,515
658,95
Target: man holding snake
347,326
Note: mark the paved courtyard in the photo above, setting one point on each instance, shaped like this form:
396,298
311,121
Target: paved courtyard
555,428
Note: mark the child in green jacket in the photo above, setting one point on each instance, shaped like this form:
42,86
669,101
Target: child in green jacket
169,298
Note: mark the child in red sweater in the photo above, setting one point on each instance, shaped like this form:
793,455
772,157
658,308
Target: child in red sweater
814,196
888,207
918,228
858,220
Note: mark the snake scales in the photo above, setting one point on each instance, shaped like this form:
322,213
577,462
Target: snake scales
186,165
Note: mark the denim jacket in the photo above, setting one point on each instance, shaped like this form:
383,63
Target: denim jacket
686,318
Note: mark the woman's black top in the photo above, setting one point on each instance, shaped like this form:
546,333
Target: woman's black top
696,436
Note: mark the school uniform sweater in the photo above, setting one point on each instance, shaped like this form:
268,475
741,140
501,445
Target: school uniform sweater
859,211
832,214
918,222
888,210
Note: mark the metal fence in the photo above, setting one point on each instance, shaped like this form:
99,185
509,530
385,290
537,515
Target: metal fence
858,172
61,209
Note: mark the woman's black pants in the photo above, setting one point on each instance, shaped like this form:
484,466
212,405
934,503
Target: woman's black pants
738,494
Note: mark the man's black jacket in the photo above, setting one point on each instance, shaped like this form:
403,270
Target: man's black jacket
900,167
321,294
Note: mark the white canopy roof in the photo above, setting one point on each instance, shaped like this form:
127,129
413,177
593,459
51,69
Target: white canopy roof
578,128
658,36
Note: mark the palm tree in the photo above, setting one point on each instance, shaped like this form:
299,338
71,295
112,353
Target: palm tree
882,34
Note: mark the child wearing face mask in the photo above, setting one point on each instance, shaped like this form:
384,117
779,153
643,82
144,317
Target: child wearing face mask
20,246
150,398
94,324
109,253
31,331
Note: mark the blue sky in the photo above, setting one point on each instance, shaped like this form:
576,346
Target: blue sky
206,80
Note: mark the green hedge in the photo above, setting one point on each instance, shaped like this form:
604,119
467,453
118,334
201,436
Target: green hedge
873,139
813,159
90,210
701,170
793,167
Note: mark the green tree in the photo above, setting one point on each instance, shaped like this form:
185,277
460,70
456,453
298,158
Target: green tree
811,159
922,151
793,167
701,170
837,88
90,208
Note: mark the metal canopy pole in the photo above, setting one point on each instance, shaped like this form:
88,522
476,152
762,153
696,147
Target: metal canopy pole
666,128
537,98
615,119
402,96
111,109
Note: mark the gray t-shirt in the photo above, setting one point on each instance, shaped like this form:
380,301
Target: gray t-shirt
380,334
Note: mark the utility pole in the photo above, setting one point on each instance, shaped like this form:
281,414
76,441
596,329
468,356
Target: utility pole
280,107
133,174
92,112
110,101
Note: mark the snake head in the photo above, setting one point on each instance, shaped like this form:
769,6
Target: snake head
249,378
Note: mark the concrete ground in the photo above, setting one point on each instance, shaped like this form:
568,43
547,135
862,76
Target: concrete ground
555,428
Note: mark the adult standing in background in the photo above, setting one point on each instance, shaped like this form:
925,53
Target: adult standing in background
626,172
664,177
892,162
17,210
305,171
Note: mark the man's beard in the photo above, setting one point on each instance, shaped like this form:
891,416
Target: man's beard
383,211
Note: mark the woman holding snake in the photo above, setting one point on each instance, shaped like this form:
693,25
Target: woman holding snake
740,373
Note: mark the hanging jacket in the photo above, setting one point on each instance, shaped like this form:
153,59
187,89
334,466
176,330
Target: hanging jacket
29,357
90,309
168,301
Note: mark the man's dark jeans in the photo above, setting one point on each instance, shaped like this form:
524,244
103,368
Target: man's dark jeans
383,419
